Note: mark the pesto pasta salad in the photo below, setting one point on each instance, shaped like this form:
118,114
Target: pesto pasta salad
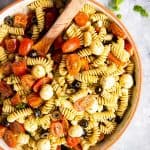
75,95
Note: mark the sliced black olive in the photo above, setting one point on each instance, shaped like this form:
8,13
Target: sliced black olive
56,115
98,90
45,135
5,122
8,20
118,119
115,39
76,84
37,112
65,148
33,54
83,123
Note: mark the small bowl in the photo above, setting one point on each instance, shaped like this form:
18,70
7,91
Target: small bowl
20,6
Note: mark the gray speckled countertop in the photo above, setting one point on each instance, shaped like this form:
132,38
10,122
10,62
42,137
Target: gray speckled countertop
137,135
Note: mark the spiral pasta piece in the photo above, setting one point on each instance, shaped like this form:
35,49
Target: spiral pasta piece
44,122
19,114
41,3
87,39
98,16
3,33
88,9
35,32
12,79
85,52
3,55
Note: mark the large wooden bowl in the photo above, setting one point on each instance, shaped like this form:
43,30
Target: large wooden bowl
20,6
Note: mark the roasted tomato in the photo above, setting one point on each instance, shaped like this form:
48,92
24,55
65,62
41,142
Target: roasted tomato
11,45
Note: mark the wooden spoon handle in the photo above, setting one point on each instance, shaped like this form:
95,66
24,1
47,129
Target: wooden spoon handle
65,18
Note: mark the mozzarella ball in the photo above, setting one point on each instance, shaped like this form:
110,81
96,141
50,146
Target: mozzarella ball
108,82
92,106
126,81
38,71
23,138
97,48
46,92
75,131
43,144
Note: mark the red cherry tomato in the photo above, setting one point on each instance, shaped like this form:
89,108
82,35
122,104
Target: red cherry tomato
72,141
73,64
81,19
19,68
2,131
11,45
15,100
56,129
25,46
17,127
71,45
40,82
10,138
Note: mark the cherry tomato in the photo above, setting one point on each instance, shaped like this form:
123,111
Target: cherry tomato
27,81
2,131
78,147
97,29
58,42
15,100
17,128
5,89
11,45
65,125
20,20
79,105
10,138
40,82
19,68
128,47
34,100
73,63
25,46
56,129
71,45
72,141
81,19
58,147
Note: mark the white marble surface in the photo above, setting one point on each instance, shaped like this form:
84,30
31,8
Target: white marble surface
137,135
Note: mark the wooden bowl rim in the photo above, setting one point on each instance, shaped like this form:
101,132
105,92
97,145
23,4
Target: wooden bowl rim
136,53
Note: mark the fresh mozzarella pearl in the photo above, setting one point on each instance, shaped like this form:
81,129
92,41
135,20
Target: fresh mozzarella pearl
126,81
38,71
92,107
108,82
43,144
23,138
97,48
76,131
46,92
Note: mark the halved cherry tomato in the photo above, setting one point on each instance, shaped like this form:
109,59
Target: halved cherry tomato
5,89
10,138
65,125
34,100
17,128
112,58
40,82
58,147
11,45
2,131
19,68
73,63
84,64
56,129
25,46
27,81
15,100
50,17
71,45
20,20
79,105
58,42
128,47
72,141
81,19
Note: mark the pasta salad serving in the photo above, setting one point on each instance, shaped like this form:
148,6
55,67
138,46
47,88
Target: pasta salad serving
74,96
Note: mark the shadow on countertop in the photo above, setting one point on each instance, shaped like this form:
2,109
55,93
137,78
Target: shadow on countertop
4,3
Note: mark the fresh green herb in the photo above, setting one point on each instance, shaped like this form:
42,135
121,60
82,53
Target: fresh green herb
115,4
21,106
141,10
119,16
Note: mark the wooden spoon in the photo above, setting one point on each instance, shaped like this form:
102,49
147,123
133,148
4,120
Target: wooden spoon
61,23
